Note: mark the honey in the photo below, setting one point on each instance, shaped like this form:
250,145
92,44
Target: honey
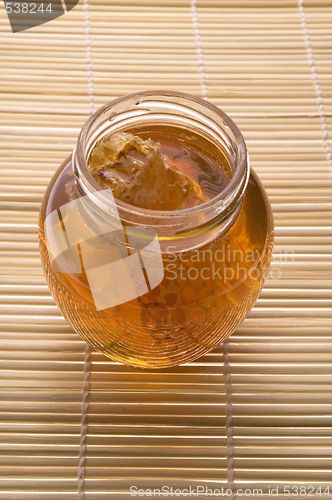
139,173
213,267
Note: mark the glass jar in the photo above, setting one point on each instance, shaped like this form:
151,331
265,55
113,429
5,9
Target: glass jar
213,257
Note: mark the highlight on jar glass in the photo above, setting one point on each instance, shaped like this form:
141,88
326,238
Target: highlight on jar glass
155,236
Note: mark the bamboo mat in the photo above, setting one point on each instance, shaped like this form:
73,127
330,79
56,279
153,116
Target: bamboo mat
256,413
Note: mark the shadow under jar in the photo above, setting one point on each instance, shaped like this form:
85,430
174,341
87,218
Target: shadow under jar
215,255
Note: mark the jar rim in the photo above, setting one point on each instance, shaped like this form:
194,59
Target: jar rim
227,196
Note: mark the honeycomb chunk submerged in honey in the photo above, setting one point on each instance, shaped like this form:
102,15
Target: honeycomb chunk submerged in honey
140,175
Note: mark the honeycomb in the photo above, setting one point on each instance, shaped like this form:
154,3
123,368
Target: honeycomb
140,175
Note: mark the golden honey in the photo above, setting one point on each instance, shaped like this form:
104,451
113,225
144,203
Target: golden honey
215,249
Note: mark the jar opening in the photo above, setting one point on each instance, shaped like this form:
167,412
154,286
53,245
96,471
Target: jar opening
175,109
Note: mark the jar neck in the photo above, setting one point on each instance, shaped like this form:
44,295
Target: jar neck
183,229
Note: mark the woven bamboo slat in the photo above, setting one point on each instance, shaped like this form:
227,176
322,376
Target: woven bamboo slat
268,421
